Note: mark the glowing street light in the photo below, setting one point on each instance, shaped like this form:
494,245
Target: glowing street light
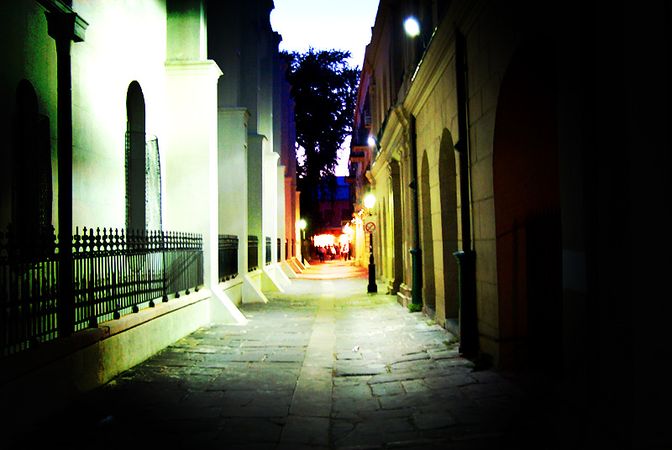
371,141
412,26
369,200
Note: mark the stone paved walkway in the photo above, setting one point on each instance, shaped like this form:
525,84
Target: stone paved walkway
321,366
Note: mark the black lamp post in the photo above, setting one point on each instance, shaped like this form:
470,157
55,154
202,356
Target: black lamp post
369,201
302,226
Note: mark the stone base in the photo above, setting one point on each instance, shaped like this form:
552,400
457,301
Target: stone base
453,325
404,295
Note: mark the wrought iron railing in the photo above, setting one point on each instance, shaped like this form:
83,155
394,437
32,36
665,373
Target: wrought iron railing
278,254
228,257
252,253
268,250
113,274
28,290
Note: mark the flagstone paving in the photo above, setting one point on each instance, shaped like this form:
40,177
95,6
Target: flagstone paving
323,365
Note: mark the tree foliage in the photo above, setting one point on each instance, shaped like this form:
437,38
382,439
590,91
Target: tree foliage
324,89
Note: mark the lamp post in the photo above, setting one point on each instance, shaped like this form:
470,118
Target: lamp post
302,226
369,202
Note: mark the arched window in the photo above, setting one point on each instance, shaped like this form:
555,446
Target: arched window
135,158
31,162
153,189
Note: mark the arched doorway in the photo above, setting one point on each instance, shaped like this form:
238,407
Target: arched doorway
427,239
135,158
449,219
527,211
32,193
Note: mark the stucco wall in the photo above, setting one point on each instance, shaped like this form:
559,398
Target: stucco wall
125,42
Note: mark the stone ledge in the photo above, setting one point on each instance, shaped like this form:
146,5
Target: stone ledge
15,366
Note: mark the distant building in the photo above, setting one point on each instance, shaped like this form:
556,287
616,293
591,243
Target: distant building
334,204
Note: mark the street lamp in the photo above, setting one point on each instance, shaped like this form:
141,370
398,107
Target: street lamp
412,29
369,201
302,226
412,26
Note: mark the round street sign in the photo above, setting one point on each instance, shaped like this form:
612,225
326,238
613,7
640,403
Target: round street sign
370,227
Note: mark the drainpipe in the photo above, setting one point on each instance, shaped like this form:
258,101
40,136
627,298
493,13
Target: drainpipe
64,26
416,264
466,256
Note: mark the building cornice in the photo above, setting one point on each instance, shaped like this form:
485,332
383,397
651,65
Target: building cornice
440,52
435,61
394,140
63,22
205,67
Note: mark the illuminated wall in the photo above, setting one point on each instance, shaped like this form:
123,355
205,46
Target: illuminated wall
126,42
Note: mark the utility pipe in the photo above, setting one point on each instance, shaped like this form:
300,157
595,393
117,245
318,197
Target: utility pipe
416,263
465,257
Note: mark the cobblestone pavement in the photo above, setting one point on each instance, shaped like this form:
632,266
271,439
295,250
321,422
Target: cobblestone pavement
323,365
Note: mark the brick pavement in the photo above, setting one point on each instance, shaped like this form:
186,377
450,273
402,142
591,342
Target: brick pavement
321,366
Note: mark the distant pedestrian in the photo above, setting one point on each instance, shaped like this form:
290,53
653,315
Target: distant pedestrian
345,251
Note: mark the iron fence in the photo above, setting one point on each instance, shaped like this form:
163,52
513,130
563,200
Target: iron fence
268,250
278,254
228,257
113,274
252,253
28,290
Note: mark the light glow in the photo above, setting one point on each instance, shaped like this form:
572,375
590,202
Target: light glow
324,240
369,200
411,26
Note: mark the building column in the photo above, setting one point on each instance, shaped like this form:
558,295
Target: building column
232,178
192,163
64,26
281,212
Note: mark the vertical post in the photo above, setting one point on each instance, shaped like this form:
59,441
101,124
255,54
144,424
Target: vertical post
64,26
372,287
64,88
416,268
302,226
303,250
466,258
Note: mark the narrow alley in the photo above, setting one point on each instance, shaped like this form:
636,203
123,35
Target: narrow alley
323,365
